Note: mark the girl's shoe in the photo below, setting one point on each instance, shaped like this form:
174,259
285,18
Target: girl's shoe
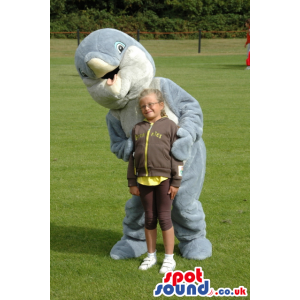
168,265
147,263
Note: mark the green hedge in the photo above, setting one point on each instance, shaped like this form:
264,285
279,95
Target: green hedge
92,19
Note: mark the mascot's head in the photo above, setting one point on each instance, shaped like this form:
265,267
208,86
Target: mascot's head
114,67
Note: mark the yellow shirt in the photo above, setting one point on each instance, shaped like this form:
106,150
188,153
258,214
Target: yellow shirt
151,180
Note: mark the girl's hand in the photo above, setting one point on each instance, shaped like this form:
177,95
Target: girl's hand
173,191
134,190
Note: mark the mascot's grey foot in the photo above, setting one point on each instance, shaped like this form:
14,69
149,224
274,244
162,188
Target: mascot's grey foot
128,248
199,248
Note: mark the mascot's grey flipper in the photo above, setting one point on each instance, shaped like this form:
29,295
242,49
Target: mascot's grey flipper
116,68
120,145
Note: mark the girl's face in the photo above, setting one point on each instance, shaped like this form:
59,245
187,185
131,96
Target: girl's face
151,108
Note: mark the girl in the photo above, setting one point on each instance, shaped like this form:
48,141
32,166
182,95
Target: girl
155,175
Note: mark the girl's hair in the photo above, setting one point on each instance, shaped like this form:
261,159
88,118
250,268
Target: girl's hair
158,95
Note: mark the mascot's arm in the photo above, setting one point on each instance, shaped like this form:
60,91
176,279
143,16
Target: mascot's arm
120,145
190,117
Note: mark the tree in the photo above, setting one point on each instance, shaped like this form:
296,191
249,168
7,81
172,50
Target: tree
57,7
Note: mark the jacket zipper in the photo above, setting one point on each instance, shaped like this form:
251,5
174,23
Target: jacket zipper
146,149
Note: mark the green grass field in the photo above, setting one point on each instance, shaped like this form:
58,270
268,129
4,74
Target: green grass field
89,186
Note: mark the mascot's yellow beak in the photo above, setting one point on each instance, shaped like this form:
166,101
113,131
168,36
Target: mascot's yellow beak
100,67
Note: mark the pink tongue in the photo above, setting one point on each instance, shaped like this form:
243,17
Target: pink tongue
111,82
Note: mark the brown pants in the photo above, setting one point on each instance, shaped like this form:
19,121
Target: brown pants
157,205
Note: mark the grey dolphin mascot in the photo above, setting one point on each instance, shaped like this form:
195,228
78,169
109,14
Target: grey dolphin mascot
115,68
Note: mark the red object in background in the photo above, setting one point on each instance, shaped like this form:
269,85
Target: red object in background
248,60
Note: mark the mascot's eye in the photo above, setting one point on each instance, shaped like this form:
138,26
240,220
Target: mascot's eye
82,73
120,47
